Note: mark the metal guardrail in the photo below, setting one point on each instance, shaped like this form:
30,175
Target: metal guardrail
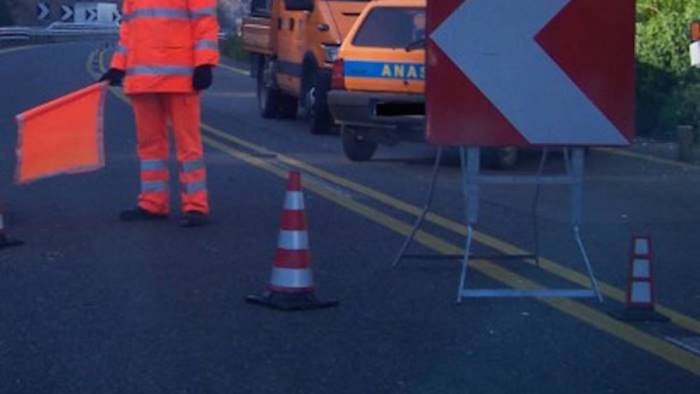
19,35
14,34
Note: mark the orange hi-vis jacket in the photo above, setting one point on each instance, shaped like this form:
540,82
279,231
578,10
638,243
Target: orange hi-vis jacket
162,41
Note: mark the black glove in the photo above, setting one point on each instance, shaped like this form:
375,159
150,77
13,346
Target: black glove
201,79
114,76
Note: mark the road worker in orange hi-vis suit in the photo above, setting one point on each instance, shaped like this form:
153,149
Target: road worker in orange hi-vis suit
165,56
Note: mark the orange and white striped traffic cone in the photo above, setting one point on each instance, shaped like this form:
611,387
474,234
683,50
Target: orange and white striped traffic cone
291,284
5,241
640,284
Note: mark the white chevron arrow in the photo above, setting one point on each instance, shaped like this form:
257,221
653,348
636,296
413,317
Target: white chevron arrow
42,11
493,43
66,13
91,15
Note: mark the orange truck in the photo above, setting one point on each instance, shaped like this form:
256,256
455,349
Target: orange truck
292,46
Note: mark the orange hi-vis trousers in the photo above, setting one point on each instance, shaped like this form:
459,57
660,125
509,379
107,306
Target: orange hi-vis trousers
153,112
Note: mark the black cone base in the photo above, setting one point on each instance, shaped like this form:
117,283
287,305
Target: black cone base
639,315
8,242
290,301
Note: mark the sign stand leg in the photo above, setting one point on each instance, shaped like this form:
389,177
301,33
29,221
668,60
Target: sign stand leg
472,179
535,203
421,219
574,178
471,166
577,168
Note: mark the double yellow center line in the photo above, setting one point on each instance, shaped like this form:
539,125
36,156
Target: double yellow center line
318,184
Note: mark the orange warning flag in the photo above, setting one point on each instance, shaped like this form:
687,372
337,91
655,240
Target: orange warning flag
63,136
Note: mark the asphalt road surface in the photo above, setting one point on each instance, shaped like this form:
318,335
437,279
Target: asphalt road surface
93,305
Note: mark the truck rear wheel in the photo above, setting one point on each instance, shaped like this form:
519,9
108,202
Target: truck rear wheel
287,106
272,102
268,96
357,148
315,103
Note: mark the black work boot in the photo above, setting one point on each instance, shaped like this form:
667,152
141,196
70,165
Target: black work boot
139,214
194,219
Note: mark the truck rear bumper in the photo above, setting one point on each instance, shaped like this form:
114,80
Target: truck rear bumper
397,116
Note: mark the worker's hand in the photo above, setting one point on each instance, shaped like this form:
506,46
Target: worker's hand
202,77
114,76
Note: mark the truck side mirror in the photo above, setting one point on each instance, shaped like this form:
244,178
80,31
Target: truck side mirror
299,5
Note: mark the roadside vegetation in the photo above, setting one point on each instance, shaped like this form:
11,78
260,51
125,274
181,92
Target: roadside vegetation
668,89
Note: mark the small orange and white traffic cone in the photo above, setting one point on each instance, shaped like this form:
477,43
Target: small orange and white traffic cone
291,282
5,241
640,284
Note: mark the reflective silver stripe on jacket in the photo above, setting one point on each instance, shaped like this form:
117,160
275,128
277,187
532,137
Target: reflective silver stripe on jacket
204,11
192,165
158,12
153,165
120,49
207,44
293,240
159,70
194,187
154,186
291,277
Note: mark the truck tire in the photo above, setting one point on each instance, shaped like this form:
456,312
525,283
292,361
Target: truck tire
500,158
287,106
315,102
357,148
268,96
272,102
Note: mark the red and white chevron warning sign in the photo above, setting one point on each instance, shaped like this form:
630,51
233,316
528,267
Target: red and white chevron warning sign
536,72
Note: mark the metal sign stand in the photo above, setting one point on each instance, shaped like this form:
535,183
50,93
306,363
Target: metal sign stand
472,179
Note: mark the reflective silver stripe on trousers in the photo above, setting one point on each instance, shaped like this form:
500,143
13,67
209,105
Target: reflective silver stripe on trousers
121,49
154,186
192,165
159,70
294,201
194,187
291,277
293,240
204,11
153,165
158,12
207,44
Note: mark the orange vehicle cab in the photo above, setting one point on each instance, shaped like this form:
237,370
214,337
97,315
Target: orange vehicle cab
378,82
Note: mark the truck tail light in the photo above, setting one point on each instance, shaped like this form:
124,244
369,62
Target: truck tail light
338,77
695,31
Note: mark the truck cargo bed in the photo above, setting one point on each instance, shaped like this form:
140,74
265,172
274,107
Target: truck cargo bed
256,35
